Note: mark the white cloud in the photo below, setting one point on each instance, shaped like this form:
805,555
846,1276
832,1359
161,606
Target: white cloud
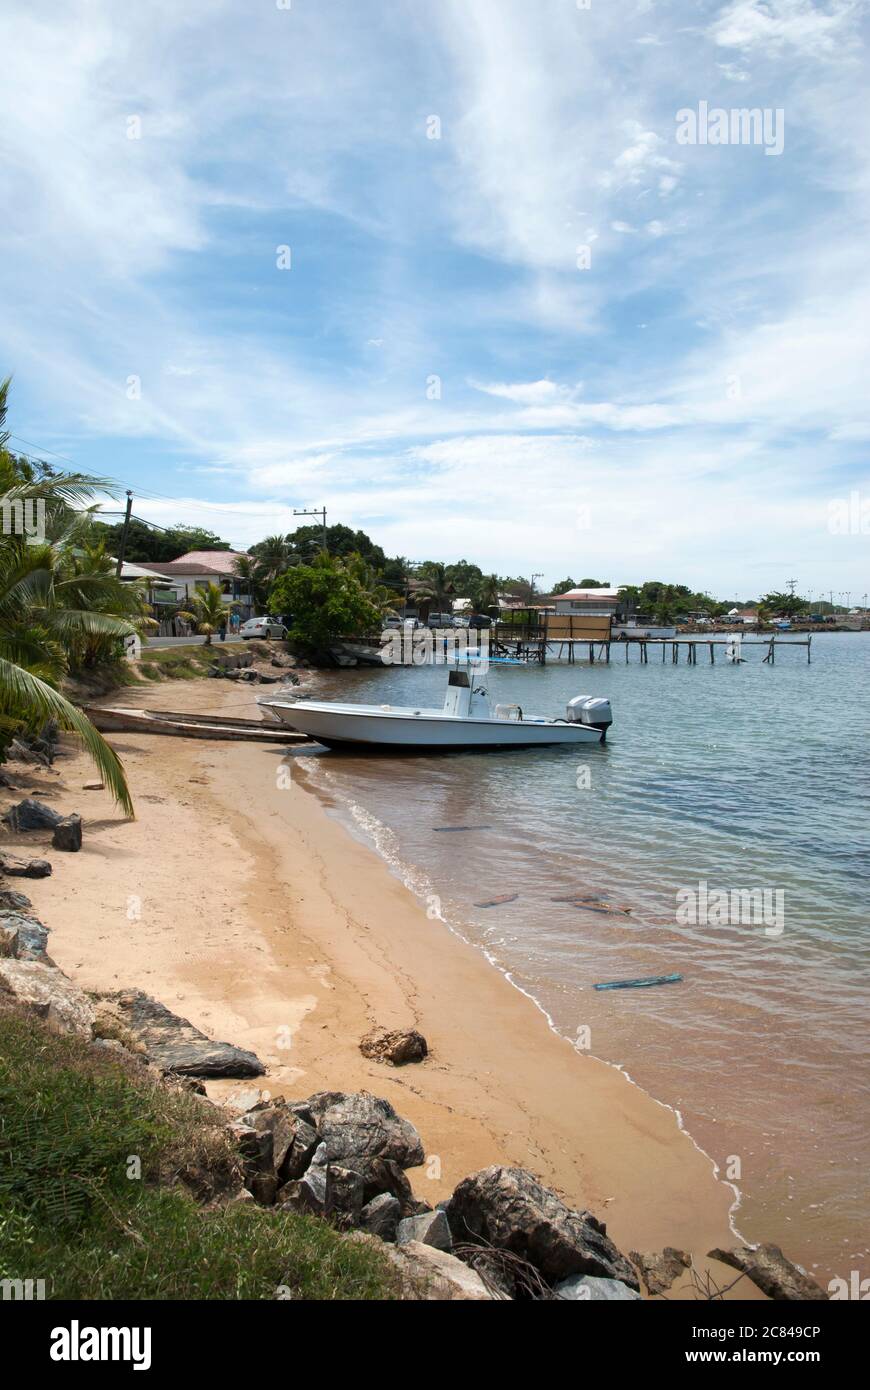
795,24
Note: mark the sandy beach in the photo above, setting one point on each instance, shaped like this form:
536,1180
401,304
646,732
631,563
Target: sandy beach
239,902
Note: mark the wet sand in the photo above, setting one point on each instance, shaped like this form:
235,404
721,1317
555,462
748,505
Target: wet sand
237,900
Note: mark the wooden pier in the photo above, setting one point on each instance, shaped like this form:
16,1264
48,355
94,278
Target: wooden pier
569,634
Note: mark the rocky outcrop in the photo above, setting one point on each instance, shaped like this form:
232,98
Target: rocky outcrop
430,1274
31,936
173,1043
362,1127
430,1228
68,834
767,1267
585,1288
659,1271
31,815
397,1046
46,991
508,1209
380,1216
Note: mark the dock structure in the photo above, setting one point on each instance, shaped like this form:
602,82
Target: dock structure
693,644
569,634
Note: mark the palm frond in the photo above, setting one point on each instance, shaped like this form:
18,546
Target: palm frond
21,690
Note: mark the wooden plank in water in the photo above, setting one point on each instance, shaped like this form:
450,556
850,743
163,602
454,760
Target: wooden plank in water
640,984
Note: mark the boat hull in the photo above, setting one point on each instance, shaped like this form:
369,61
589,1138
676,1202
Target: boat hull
425,731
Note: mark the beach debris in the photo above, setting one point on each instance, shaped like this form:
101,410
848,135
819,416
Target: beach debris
68,834
380,1217
397,1046
24,868
659,1270
497,902
31,936
452,829
30,814
586,1288
507,1208
173,1043
93,786
767,1267
643,983
45,991
428,1273
10,901
430,1228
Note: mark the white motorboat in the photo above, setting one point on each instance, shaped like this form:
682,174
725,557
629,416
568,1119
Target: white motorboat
466,721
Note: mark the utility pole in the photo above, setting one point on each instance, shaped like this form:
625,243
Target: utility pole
123,546
321,513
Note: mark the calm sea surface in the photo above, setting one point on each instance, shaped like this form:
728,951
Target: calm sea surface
737,777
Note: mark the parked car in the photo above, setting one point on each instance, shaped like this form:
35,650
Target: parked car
439,620
397,624
479,620
262,627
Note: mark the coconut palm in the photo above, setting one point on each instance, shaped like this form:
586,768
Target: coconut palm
208,611
46,609
434,587
487,592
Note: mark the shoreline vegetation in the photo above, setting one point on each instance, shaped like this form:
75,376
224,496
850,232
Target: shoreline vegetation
294,941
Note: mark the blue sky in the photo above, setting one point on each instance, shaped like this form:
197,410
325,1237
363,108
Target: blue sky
687,406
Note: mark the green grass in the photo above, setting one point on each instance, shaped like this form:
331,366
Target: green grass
75,1124
177,663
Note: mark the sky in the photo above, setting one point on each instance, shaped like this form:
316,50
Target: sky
450,269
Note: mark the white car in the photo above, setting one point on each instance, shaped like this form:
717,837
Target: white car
262,627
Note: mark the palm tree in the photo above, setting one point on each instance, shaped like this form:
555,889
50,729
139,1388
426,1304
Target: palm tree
434,587
487,592
249,573
273,556
209,610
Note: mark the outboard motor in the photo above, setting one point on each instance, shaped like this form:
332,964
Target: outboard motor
591,710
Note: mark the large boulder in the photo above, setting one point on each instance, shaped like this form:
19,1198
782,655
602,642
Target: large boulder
380,1216
173,1043
508,1209
428,1273
430,1228
24,868
360,1128
771,1272
46,991
396,1046
68,834
294,1139
659,1270
31,815
586,1288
